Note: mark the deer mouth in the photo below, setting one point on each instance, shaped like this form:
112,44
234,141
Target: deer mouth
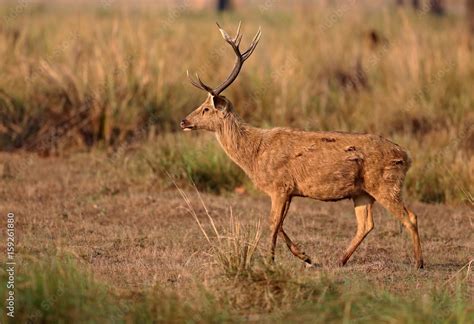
186,126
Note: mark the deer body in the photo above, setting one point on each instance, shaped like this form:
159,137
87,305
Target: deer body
327,166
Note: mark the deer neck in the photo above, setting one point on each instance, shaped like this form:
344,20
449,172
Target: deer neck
240,141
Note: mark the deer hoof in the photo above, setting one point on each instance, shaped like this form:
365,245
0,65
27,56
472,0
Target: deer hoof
311,265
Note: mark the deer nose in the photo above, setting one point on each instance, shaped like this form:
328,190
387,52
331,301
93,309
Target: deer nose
183,123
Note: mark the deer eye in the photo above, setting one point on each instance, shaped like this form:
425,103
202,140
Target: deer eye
205,110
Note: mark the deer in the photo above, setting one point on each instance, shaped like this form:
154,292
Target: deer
322,165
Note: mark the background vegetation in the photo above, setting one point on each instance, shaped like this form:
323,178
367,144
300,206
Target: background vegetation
106,76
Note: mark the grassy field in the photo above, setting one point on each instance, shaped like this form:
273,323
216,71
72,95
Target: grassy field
91,163
97,245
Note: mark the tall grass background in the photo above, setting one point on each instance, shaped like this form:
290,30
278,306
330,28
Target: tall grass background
104,77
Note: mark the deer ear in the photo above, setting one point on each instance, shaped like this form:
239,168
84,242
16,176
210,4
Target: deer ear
221,104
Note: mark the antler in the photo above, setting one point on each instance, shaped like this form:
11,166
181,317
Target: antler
239,61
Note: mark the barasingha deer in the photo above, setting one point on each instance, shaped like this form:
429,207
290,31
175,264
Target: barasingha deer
327,166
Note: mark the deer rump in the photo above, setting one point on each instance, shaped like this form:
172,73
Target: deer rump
331,166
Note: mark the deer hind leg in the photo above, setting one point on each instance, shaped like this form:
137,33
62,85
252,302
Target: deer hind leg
365,224
293,247
408,219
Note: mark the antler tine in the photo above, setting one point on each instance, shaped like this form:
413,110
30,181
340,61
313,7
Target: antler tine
205,86
238,39
199,84
224,33
253,45
194,83
237,35
232,41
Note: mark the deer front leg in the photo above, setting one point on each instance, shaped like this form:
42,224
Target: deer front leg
295,250
276,217
292,246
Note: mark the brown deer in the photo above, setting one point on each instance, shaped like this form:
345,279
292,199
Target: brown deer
327,166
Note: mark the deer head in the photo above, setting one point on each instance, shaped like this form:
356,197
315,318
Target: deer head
210,114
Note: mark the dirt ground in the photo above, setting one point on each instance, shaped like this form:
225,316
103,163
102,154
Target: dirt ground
133,236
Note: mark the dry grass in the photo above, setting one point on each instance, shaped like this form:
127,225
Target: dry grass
101,76
142,244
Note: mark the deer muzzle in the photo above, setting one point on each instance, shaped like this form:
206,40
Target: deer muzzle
186,125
